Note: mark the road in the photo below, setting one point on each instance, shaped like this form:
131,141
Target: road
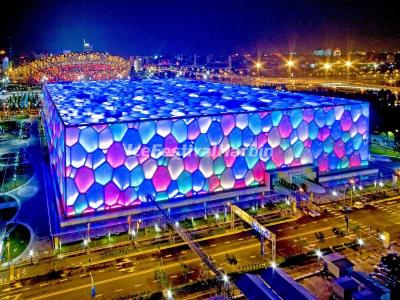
139,276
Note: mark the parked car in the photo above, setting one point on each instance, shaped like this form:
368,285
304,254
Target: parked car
358,204
313,213
347,209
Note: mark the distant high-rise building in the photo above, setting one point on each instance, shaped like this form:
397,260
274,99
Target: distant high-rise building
337,52
322,52
137,64
87,47
5,64
229,62
195,61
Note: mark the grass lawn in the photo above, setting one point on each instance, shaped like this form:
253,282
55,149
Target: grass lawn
376,149
18,241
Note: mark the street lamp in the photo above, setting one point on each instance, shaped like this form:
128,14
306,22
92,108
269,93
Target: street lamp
318,253
169,294
273,265
327,67
225,278
348,65
352,190
290,65
31,254
334,194
360,243
258,66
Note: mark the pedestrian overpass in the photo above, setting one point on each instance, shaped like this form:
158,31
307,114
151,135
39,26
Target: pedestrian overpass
193,245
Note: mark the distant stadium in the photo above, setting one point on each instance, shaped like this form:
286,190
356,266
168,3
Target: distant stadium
72,67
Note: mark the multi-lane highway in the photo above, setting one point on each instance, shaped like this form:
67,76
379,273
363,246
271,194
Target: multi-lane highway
136,273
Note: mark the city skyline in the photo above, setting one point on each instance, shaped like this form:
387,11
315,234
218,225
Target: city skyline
140,28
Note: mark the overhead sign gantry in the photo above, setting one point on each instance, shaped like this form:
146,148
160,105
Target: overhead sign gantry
264,232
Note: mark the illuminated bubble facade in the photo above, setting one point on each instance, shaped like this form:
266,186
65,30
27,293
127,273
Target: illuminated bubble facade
113,142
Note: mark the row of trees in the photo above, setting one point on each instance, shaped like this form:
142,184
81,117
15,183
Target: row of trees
17,102
338,232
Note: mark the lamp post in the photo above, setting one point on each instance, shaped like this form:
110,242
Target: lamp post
85,243
31,255
290,65
319,255
273,265
348,65
169,294
334,194
258,66
352,190
360,243
327,67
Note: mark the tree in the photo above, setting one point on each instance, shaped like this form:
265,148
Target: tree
185,269
231,259
161,276
339,233
301,243
320,236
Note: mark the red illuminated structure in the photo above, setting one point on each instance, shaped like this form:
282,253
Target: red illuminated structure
72,67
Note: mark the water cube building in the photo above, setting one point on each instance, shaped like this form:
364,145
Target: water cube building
112,142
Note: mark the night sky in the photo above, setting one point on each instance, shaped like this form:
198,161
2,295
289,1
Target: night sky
202,27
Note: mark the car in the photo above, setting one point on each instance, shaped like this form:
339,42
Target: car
382,270
358,204
313,213
347,209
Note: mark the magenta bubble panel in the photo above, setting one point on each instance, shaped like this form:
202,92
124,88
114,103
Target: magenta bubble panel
107,167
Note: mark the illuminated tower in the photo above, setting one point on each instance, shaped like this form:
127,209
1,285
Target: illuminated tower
87,47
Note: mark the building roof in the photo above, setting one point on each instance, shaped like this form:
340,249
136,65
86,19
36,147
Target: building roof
362,295
369,283
346,283
253,287
284,285
92,102
333,257
343,263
